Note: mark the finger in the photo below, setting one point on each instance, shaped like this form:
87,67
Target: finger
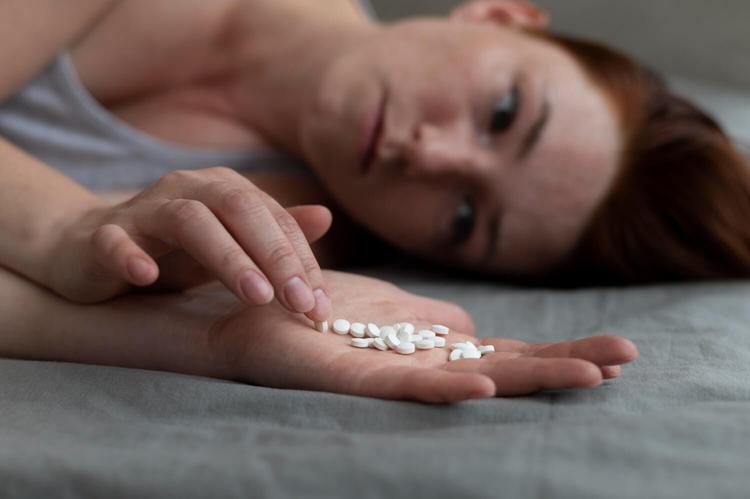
426,385
322,309
441,312
609,372
601,350
244,210
192,227
525,375
313,220
115,251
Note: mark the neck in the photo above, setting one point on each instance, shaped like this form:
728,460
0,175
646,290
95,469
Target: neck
285,47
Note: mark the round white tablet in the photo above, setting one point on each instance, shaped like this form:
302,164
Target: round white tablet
357,329
361,342
486,348
379,344
439,341
406,348
341,326
426,333
440,329
425,344
403,336
390,337
456,354
407,326
373,331
471,354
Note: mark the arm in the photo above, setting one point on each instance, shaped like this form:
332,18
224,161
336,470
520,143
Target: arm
28,213
208,332
33,32
148,332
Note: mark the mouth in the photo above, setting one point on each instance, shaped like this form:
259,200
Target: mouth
374,134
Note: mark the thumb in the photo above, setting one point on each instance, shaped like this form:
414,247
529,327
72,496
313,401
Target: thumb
313,220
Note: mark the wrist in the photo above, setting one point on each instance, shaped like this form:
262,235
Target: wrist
59,242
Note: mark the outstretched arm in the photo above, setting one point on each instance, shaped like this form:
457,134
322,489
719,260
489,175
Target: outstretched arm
208,332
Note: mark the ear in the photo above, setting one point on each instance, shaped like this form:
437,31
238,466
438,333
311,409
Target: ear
514,13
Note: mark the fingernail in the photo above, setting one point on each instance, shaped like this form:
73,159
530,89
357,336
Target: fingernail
256,288
298,295
140,270
322,309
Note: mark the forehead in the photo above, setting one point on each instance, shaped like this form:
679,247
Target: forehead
548,198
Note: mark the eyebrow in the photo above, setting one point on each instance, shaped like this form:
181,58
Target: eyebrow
535,133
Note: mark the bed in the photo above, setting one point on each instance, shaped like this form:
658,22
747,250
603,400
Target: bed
676,424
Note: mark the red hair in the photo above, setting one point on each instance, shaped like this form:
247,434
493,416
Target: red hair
679,207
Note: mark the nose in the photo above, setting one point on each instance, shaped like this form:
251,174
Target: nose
442,150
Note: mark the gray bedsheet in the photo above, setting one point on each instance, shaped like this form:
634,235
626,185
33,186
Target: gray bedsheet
676,424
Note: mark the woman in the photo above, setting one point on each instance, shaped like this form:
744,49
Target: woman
474,141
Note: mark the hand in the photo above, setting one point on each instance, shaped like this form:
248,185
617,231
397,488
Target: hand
270,347
191,227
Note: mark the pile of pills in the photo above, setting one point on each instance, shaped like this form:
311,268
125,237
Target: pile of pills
403,338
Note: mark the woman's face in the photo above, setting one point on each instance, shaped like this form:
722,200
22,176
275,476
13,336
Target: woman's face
469,144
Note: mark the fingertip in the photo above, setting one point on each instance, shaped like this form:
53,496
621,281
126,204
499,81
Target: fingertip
141,272
322,309
255,289
485,388
591,376
610,372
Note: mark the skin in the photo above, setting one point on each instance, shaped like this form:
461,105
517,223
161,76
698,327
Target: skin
206,331
436,147
219,78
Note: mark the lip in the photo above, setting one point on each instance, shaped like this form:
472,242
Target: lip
374,134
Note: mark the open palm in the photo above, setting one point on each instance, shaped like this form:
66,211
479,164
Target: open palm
271,347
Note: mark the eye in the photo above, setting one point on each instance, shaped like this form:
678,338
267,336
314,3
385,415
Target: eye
505,111
463,223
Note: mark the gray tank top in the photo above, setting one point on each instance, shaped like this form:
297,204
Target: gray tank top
57,120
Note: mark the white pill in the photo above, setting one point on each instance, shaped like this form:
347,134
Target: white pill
440,329
386,331
341,326
361,342
471,354
357,329
486,348
439,341
415,338
456,354
408,327
321,326
403,336
425,344
426,333
379,344
406,348
373,331
391,339
471,347
459,346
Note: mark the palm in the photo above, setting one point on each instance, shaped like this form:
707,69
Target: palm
274,348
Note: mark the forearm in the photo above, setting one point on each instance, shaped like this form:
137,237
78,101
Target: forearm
149,332
34,31
35,202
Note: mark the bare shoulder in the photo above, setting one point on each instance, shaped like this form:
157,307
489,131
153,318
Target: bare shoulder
145,47
33,32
